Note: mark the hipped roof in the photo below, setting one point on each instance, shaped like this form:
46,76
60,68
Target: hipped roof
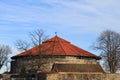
57,46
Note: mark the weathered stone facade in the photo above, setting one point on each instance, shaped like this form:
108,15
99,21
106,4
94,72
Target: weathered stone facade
27,62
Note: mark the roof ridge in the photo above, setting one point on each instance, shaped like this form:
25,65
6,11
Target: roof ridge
62,48
54,46
58,38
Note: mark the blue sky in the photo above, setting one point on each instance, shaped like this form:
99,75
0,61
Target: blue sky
78,21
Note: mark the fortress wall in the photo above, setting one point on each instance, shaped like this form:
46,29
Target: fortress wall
83,77
47,63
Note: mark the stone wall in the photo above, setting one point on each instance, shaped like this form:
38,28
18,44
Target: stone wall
82,76
113,76
48,62
53,76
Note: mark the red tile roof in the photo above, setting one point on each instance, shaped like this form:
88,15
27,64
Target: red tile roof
57,46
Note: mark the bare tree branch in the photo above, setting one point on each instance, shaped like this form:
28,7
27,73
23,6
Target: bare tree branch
4,52
22,45
37,37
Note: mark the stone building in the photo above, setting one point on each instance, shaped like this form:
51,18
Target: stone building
56,56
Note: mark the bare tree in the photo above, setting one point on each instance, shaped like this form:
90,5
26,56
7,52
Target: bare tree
109,45
36,38
22,45
4,52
